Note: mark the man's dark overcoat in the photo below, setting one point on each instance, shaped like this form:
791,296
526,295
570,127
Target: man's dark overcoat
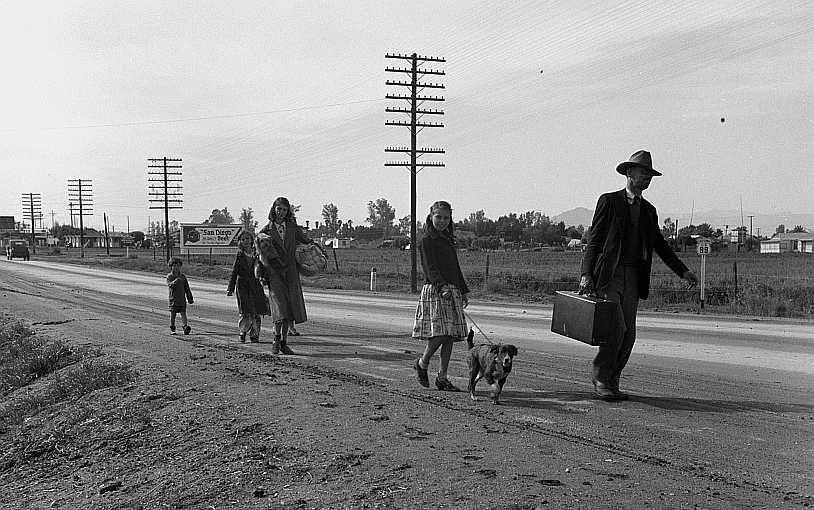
604,247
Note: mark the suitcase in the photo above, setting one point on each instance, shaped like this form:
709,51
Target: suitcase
588,319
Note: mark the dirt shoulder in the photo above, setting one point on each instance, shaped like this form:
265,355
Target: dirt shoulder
209,423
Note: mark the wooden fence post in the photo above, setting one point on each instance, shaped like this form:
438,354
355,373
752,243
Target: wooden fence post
735,271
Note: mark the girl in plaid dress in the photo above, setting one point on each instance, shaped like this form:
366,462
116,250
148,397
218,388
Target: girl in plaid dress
439,317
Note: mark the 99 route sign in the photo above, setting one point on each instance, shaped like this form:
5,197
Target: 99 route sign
703,248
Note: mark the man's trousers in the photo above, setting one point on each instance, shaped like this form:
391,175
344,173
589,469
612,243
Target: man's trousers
614,354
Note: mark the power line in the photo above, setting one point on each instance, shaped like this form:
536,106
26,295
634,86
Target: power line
210,117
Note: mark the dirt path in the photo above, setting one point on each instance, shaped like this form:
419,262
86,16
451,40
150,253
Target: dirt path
214,424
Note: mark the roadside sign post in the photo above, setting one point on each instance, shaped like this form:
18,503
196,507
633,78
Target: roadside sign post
209,239
704,249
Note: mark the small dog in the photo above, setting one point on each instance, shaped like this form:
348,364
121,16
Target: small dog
490,362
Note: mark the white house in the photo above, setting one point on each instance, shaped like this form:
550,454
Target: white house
798,242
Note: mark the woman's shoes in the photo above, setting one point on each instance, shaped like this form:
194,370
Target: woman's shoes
421,374
285,349
275,347
254,339
243,338
445,385
292,331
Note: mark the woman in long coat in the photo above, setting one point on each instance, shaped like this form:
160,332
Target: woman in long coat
251,298
285,288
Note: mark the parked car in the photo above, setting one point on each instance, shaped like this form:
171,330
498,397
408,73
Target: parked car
17,248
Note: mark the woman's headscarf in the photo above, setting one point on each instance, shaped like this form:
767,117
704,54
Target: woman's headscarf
281,201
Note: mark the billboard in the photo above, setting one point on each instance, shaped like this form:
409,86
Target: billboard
6,222
209,238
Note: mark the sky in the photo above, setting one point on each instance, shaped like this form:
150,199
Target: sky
542,100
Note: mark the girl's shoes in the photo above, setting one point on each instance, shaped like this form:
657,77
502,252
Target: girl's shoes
285,349
275,347
292,331
187,329
243,338
254,339
421,375
445,385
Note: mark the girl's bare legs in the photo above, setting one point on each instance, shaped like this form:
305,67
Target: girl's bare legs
285,349
278,326
432,345
446,355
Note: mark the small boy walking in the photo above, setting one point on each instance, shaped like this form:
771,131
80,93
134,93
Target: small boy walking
179,294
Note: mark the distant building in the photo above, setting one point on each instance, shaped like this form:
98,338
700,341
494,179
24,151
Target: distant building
339,242
95,239
798,242
574,244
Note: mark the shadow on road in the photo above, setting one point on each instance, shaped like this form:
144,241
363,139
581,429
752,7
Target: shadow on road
720,406
559,401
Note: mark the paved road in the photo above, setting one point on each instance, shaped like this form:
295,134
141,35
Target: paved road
716,399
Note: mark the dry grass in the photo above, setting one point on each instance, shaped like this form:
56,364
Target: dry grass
53,370
25,357
767,285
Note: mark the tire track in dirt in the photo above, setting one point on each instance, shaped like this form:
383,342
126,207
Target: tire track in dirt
523,425
100,302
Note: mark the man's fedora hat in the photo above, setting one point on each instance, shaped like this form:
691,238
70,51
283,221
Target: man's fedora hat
642,160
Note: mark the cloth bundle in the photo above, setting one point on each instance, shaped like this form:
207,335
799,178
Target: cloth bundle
266,251
311,260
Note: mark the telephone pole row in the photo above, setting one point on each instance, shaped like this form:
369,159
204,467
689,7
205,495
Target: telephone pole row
80,196
32,209
166,192
416,113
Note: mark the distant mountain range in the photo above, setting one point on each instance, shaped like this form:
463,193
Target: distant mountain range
574,217
763,224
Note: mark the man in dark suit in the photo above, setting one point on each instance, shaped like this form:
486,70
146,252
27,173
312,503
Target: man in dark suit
616,265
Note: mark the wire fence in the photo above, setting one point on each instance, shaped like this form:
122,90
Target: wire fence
752,284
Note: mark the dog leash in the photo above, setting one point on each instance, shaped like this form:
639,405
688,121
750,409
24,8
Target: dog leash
479,329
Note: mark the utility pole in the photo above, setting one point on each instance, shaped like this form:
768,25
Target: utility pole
416,125
750,216
32,209
107,236
80,191
52,219
166,192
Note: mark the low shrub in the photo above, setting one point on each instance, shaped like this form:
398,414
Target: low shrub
67,384
495,286
25,357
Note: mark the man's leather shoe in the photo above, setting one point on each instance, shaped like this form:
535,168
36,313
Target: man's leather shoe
604,392
621,395
614,386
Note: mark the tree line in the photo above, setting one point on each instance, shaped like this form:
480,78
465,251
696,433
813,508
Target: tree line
526,229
